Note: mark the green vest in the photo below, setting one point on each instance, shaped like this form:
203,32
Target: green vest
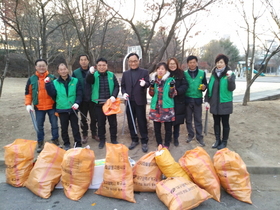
167,102
225,94
193,91
80,77
64,101
34,85
95,85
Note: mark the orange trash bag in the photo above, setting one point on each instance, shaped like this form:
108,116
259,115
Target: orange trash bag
198,165
233,174
178,193
46,172
110,108
117,177
77,171
19,158
146,173
168,166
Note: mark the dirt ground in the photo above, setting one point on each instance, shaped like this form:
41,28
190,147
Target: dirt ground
254,129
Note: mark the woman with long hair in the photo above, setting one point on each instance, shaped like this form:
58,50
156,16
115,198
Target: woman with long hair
181,86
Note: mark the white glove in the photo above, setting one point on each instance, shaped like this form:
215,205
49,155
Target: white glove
125,96
91,69
229,73
29,108
142,82
207,105
47,80
113,99
75,106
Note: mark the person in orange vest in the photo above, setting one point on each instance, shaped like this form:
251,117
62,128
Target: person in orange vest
36,94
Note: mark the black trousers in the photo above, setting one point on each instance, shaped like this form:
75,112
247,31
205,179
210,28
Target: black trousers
85,108
139,113
176,131
101,121
168,132
64,118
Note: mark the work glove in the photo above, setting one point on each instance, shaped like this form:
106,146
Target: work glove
125,96
172,83
75,106
142,82
91,69
229,73
29,108
152,83
47,80
113,99
207,105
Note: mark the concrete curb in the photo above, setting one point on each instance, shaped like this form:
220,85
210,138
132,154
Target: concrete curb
251,169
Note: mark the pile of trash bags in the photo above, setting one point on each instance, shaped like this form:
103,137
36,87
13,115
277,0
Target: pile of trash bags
186,183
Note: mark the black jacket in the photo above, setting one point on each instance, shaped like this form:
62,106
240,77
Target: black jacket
133,89
104,91
181,85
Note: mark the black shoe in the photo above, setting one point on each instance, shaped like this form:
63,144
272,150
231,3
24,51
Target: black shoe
67,147
56,142
222,145
176,142
78,144
101,144
145,148
201,142
133,145
189,139
114,142
40,146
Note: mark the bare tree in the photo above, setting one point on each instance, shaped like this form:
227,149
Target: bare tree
177,10
33,22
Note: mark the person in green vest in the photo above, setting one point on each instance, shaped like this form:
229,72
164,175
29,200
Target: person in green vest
162,90
218,99
67,92
104,86
197,81
86,105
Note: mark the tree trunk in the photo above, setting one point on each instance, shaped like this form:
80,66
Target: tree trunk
2,78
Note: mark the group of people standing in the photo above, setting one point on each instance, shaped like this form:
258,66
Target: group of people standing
176,98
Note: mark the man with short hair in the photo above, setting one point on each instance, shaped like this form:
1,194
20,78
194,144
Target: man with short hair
105,86
197,81
134,84
36,94
67,92
86,106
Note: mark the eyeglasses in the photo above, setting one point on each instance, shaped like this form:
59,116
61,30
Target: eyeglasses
134,61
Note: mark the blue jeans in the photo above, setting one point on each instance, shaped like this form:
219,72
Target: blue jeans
40,118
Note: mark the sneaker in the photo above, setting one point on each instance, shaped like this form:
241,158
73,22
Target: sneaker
145,148
200,142
189,139
40,146
133,145
56,142
84,139
67,147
